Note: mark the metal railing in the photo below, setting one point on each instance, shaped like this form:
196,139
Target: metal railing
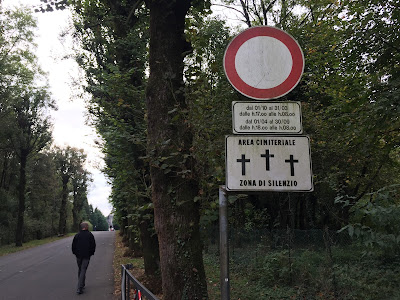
130,286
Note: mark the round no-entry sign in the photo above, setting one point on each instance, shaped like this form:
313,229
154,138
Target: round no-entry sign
264,63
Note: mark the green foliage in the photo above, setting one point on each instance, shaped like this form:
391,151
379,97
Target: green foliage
69,163
375,220
48,6
258,271
25,101
209,95
114,58
349,94
8,208
98,220
44,190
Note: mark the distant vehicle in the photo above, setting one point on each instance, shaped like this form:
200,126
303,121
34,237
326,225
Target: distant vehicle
111,228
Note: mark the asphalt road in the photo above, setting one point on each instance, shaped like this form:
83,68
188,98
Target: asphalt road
49,272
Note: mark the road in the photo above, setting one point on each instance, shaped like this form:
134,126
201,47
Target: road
49,272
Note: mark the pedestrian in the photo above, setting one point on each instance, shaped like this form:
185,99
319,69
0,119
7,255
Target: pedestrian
83,246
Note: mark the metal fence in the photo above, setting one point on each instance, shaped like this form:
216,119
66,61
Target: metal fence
131,288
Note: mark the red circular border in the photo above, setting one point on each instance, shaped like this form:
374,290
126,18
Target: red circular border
264,94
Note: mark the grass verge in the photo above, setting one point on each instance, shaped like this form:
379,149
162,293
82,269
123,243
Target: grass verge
8,249
265,273
121,259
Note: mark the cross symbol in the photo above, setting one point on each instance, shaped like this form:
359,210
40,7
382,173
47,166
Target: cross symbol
291,161
243,160
267,156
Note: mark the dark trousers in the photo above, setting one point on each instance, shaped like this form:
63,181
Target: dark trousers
83,264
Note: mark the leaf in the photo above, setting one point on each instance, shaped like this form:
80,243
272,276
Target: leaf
350,229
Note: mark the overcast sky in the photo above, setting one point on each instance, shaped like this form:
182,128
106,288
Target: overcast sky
70,120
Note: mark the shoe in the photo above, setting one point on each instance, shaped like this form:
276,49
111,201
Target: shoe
79,291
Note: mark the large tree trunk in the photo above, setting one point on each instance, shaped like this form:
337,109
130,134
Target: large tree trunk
19,234
169,141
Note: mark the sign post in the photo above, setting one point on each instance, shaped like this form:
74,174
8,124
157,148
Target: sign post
223,243
267,152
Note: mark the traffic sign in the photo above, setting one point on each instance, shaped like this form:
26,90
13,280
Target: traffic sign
266,117
263,63
268,163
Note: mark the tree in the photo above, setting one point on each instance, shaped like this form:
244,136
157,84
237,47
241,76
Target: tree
79,182
69,162
169,135
43,190
31,138
115,71
348,94
97,219
24,100
174,186
29,183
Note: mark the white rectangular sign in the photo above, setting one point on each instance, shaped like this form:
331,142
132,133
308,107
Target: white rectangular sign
266,117
268,163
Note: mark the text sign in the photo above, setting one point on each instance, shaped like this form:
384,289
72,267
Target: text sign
268,163
266,117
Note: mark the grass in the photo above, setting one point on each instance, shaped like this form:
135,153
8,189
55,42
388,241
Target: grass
264,273
8,249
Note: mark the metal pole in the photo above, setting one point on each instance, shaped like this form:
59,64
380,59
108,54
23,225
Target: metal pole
128,288
123,281
223,243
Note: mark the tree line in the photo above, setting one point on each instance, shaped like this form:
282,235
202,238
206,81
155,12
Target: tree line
162,103
43,188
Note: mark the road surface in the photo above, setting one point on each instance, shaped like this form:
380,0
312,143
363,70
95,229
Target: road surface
49,272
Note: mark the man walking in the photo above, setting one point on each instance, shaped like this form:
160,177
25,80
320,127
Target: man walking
83,246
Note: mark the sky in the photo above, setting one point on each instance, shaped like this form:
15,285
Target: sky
69,120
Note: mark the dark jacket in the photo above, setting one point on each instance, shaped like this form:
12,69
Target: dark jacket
83,245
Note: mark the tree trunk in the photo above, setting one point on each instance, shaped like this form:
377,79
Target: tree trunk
150,247
169,141
4,172
19,234
76,209
133,239
75,219
63,209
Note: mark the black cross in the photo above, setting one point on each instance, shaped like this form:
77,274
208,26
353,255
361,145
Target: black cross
243,160
291,161
267,156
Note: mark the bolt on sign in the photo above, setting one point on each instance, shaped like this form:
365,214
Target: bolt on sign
268,163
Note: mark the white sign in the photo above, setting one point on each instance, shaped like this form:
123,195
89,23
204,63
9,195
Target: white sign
268,163
266,117
263,62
